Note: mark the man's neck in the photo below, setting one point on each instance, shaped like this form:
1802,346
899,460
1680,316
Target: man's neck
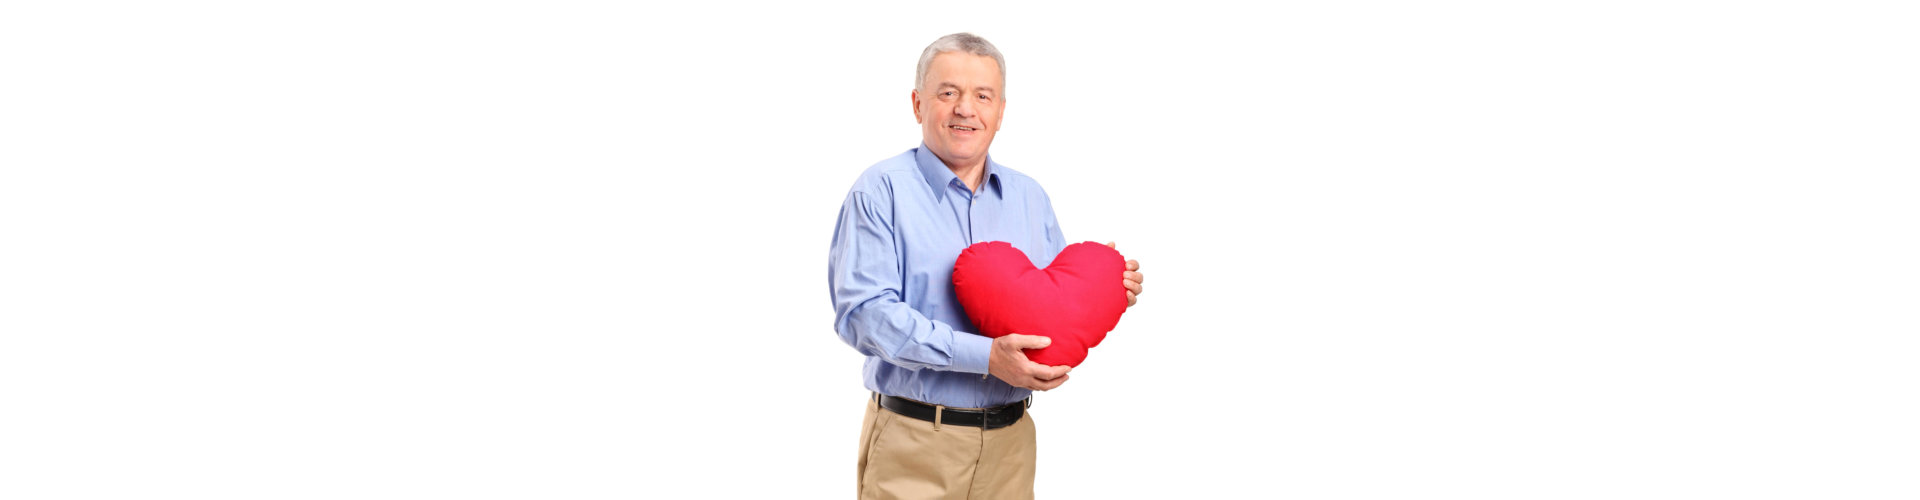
971,175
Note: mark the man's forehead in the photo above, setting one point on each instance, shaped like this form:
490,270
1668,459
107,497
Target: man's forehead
977,86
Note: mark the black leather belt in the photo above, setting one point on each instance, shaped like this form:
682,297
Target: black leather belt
985,418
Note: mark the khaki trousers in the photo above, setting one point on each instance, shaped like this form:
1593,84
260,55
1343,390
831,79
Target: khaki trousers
904,457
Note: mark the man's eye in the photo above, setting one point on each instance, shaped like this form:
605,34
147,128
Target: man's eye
983,97
947,93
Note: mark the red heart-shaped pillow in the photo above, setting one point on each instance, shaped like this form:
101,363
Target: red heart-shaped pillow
1075,301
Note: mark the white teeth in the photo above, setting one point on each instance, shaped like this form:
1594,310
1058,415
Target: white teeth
957,127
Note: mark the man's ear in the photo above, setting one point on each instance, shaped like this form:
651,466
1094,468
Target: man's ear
1000,115
916,106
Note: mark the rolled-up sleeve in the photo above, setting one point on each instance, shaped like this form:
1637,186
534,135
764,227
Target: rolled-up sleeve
870,313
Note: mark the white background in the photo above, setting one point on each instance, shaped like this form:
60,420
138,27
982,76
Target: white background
577,250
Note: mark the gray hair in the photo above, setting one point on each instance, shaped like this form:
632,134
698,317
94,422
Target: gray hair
959,42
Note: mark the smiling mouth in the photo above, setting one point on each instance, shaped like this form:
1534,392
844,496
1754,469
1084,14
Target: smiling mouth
962,128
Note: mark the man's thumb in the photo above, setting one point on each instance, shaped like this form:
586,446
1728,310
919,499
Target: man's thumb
1031,341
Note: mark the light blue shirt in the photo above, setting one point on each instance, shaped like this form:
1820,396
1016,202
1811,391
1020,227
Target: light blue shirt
890,271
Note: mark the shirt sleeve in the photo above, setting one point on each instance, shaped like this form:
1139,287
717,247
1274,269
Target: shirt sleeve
870,314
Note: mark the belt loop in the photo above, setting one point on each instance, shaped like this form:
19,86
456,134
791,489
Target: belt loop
937,409
1029,402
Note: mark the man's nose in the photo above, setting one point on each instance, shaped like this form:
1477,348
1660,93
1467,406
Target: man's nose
964,109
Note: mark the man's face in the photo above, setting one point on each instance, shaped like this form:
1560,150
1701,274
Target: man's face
959,106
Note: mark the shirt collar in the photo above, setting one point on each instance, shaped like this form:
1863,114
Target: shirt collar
939,176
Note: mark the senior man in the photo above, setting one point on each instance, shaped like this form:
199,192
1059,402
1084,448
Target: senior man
948,418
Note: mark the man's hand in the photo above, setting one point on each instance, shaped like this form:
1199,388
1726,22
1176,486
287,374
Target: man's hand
1131,278
1007,360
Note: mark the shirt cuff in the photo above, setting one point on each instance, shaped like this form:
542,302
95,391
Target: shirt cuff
970,352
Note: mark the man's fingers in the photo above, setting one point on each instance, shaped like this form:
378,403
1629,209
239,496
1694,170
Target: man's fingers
1042,373
1110,245
1133,287
1133,277
1132,299
1133,265
1045,385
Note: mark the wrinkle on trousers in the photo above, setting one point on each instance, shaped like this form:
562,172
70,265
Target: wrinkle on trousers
903,457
